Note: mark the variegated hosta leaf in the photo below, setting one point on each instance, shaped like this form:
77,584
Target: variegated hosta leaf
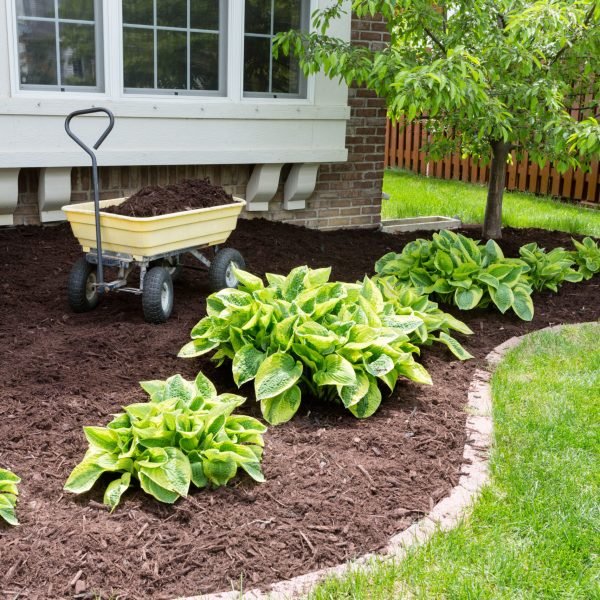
245,364
197,347
276,374
369,403
249,282
281,408
336,370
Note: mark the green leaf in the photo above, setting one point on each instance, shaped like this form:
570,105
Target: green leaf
205,387
174,474
351,394
250,282
219,469
102,438
468,299
154,489
523,306
414,371
83,476
115,489
316,277
380,366
197,347
454,346
180,388
281,408
276,374
336,370
246,363
502,297
369,403
154,388
403,323
253,469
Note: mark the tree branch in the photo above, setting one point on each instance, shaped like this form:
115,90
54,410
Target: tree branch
435,40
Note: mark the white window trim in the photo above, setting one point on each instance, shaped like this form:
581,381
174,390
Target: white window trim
112,28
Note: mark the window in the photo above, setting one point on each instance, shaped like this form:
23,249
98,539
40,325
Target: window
265,75
174,46
60,45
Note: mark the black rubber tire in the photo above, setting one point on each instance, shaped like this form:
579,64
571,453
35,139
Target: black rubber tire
81,297
157,283
175,268
219,276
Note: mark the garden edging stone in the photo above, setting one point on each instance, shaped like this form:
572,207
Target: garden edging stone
445,515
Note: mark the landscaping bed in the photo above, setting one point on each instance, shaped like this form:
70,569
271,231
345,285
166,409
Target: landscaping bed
336,488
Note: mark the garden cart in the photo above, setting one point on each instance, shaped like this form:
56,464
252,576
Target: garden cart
154,245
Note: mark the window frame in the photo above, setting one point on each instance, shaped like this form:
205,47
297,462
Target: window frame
304,91
221,92
99,47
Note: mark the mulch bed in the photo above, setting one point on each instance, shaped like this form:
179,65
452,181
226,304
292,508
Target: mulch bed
336,487
155,200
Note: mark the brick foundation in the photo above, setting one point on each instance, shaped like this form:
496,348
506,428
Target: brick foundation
347,195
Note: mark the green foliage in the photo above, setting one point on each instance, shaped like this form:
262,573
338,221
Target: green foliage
8,496
185,435
548,270
480,72
587,256
302,332
461,271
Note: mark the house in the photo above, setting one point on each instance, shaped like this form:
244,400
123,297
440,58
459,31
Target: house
196,91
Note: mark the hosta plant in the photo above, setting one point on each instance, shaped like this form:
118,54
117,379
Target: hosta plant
185,435
303,333
462,271
548,270
587,257
8,496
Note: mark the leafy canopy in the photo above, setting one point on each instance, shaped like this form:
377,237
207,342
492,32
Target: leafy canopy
185,435
481,70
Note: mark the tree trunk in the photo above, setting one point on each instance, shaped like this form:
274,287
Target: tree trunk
492,224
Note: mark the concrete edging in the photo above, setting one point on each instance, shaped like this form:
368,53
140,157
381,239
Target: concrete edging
445,515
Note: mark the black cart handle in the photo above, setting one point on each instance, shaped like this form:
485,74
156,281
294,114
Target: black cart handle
88,111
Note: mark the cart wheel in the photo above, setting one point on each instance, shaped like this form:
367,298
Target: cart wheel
157,297
220,274
81,290
172,265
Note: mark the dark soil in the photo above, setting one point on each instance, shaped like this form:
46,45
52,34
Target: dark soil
336,487
155,200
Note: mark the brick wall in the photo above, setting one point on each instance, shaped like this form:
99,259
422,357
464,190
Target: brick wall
347,195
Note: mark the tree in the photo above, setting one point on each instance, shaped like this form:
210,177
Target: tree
489,76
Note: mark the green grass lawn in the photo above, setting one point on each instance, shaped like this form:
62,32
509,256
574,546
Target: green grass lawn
414,195
535,531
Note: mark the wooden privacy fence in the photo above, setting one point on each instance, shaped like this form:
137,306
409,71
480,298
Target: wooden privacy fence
402,150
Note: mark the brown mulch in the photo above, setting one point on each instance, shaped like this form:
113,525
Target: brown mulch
336,487
155,200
